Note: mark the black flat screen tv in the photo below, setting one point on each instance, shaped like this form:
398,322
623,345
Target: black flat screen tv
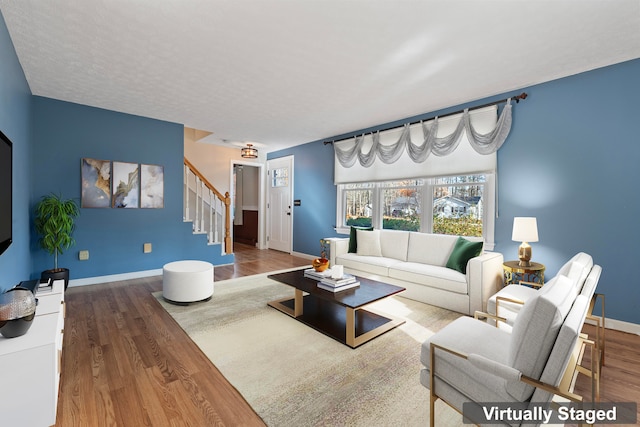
6,201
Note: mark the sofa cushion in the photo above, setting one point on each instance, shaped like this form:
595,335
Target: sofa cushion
370,264
430,275
510,310
368,243
432,249
572,279
591,283
467,336
462,252
563,347
353,238
581,258
394,244
577,267
534,333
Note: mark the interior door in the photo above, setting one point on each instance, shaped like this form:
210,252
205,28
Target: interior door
279,207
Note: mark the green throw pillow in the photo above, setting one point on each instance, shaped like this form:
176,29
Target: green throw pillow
462,252
353,242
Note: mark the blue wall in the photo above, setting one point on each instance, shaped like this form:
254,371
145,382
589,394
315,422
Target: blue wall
15,105
64,133
571,160
575,143
49,139
315,218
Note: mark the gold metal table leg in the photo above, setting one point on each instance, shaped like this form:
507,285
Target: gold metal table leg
298,305
351,327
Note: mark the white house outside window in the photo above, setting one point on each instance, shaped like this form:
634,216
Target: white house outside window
457,205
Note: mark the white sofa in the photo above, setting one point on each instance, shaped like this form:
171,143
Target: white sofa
417,261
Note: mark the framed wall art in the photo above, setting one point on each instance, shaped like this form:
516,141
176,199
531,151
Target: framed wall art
96,183
126,185
151,186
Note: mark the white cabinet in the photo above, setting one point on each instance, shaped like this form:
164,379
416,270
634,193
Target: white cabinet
30,365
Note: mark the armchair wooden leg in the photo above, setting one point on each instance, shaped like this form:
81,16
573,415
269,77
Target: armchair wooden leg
593,372
432,384
601,296
600,327
432,406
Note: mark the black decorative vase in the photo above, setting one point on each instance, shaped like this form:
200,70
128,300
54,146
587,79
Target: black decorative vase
56,274
17,310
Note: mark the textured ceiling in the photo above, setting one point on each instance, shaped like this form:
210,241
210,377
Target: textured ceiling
286,72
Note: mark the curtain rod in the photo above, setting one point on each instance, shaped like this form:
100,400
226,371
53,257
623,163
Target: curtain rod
517,98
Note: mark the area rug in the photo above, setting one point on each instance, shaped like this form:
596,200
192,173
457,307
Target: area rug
293,375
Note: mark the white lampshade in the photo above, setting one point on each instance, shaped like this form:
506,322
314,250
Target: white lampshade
525,229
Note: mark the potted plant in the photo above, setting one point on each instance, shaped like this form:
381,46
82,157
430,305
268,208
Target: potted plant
55,222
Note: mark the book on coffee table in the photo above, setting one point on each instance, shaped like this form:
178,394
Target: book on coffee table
338,288
318,275
344,280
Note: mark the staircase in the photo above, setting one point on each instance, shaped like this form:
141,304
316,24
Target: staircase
206,208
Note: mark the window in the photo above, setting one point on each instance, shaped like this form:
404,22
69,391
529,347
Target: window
460,205
358,205
457,205
280,177
401,208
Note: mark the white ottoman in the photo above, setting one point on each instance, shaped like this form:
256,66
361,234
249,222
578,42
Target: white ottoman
187,281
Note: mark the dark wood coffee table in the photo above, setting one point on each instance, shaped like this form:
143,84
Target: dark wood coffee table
340,315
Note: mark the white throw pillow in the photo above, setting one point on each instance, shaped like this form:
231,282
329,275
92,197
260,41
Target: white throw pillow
369,243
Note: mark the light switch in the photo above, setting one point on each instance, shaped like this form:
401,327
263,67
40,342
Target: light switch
147,248
83,255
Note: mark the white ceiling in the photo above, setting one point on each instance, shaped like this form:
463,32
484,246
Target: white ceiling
286,72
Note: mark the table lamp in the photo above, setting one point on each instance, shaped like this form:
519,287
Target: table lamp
525,229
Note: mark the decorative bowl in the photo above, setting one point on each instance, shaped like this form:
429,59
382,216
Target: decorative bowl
320,264
17,310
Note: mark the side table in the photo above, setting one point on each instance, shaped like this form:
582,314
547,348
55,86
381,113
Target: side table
514,273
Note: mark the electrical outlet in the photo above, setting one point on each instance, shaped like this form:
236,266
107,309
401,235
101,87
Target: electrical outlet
146,248
83,255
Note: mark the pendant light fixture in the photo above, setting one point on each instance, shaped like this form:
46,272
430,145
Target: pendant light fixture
249,152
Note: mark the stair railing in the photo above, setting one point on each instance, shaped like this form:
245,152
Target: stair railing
208,207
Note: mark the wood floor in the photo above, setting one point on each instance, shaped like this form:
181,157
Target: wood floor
127,363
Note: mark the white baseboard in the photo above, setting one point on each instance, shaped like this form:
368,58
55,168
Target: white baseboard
114,277
123,276
619,325
301,255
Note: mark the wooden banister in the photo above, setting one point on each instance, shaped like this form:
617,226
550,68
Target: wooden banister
197,173
226,199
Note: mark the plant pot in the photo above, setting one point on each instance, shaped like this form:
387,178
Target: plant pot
320,264
56,274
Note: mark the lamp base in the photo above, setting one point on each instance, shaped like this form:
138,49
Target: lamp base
524,255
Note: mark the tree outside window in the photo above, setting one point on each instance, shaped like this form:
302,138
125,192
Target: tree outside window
358,205
401,207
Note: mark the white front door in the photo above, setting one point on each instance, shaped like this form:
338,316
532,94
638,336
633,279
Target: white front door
279,207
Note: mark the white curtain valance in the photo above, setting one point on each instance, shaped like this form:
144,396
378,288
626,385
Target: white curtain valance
483,143
446,138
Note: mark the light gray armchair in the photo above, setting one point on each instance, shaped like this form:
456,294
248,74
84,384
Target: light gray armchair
508,301
470,360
